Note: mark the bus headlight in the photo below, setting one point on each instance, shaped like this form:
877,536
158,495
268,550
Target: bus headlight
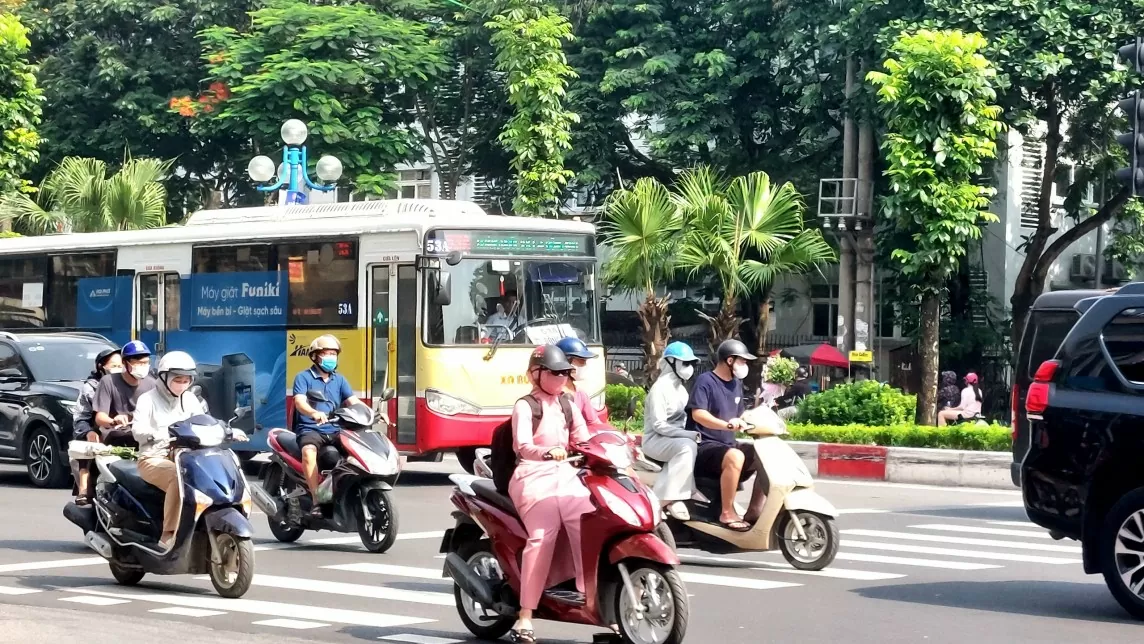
448,405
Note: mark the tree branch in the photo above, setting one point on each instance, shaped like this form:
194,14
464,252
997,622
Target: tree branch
1070,236
658,171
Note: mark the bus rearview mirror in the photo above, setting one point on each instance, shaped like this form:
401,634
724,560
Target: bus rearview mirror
443,295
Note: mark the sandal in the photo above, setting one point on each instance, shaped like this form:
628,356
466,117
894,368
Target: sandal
82,500
738,525
523,636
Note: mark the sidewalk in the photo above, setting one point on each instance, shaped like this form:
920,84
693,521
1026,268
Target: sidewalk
945,467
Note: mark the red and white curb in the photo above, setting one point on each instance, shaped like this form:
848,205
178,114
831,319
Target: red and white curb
943,467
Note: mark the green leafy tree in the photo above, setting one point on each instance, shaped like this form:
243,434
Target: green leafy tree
79,196
529,37
108,69
747,232
19,106
937,97
641,228
340,68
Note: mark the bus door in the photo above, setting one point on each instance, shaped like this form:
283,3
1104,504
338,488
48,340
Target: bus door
156,308
393,323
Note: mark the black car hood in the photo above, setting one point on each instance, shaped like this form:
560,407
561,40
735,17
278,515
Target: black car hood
63,389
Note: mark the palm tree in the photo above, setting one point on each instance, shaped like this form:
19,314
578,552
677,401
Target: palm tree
78,196
748,232
642,226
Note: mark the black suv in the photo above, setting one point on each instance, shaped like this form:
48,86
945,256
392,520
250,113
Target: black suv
1083,474
40,378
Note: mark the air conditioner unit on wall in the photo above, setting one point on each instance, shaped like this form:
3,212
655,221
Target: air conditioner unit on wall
1083,266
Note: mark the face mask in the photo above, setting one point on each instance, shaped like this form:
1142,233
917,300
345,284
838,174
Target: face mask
328,363
115,370
140,372
740,371
551,383
685,372
577,374
178,388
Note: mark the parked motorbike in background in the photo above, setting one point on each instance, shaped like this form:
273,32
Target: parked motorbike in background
357,477
125,521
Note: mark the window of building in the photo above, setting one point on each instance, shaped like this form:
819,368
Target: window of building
62,294
413,184
824,310
886,318
322,278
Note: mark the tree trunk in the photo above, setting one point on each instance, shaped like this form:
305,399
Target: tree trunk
656,330
927,356
755,380
449,181
724,326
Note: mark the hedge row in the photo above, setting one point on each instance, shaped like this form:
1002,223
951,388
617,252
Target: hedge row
989,438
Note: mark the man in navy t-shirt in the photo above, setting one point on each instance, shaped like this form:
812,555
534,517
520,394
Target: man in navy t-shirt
714,411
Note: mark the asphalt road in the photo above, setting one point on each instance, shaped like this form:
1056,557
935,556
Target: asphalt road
916,564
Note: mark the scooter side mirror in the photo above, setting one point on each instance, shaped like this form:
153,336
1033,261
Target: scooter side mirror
316,396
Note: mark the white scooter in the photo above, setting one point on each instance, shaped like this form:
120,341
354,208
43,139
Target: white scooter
795,519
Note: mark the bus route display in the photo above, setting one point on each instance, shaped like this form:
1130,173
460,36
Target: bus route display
495,242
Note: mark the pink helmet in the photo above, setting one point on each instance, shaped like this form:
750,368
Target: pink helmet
971,378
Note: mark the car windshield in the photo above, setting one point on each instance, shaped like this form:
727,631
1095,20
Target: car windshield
61,360
514,301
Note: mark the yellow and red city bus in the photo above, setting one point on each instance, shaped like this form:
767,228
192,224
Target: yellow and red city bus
420,292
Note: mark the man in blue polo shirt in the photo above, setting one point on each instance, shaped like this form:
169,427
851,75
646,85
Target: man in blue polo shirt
311,418
714,411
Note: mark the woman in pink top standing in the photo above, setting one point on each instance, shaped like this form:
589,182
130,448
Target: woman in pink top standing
546,490
578,356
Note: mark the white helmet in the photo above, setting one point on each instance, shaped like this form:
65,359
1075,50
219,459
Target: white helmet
324,342
177,363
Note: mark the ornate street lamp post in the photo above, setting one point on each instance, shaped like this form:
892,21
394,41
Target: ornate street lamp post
292,171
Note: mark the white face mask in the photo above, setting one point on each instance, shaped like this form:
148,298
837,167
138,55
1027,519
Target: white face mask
576,373
740,371
685,372
140,371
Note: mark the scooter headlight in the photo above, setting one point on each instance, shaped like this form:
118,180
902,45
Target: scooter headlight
620,508
202,502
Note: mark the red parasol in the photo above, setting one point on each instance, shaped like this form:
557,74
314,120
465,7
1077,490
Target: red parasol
819,355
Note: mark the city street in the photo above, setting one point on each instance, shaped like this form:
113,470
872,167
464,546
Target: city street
916,564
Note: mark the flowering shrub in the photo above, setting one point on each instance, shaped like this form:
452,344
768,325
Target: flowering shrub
779,370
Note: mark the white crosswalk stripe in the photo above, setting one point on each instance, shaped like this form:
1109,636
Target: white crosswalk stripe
953,552
969,529
965,541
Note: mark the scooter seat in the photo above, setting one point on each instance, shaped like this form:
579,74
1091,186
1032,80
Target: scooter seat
487,490
288,441
126,473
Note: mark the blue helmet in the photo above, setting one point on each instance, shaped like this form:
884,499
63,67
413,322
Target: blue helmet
679,351
575,348
135,349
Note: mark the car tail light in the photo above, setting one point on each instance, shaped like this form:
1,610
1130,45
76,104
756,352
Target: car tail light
1038,397
1013,408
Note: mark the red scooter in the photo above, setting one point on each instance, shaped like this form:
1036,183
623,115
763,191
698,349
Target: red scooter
630,579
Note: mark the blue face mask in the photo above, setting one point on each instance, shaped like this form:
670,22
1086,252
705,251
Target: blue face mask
328,363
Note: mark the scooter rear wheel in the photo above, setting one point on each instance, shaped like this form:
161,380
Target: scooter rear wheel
484,624
126,576
663,598
283,531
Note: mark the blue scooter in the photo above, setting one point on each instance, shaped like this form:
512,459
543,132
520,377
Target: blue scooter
125,521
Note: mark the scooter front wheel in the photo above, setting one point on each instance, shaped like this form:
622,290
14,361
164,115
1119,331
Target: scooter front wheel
232,577
663,609
820,546
379,532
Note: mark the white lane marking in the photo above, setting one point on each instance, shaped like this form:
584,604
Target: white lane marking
343,541
953,552
910,561
863,511
417,639
262,608
95,601
8,590
1022,524
965,541
352,590
388,569
730,582
47,565
186,612
1000,532
770,566
918,486
295,624
1003,504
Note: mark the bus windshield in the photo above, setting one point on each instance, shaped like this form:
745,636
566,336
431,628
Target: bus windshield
516,301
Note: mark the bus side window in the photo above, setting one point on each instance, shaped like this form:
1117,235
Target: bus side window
323,283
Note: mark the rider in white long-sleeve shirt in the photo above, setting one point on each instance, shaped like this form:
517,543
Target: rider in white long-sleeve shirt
665,437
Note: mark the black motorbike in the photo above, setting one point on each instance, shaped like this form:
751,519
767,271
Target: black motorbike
125,521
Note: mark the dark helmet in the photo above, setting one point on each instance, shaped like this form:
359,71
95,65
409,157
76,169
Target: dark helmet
549,357
801,373
575,348
733,349
103,356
